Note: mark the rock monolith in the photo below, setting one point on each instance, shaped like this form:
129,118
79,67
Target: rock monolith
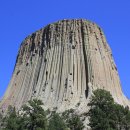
62,64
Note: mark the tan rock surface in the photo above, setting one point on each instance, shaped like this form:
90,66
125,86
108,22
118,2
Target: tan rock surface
61,64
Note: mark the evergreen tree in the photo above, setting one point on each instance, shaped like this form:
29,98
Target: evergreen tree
10,121
105,114
102,116
127,119
1,121
72,120
56,122
123,117
34,117
119,116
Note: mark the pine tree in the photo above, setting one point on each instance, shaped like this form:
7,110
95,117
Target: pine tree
72,120
1,121
56,122
105,114
34,117
10,121
102,116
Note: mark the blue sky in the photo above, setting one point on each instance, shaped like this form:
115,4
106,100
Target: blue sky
19,18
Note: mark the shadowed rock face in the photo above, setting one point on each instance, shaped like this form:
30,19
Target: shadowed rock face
61,64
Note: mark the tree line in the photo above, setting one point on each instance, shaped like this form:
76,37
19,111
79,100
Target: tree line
104,114
33,117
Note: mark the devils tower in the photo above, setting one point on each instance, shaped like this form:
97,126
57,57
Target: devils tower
62,64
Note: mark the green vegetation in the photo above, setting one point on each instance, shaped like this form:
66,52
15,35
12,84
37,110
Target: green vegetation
33,117
56,122
10,121
72,120
105,114
1,118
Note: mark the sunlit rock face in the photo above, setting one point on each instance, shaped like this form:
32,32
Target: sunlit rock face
62,64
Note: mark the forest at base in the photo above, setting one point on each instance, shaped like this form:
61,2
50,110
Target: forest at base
104,114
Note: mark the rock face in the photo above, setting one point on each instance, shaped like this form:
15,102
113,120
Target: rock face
61,64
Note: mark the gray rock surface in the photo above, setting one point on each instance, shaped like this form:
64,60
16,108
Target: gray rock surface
62,64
